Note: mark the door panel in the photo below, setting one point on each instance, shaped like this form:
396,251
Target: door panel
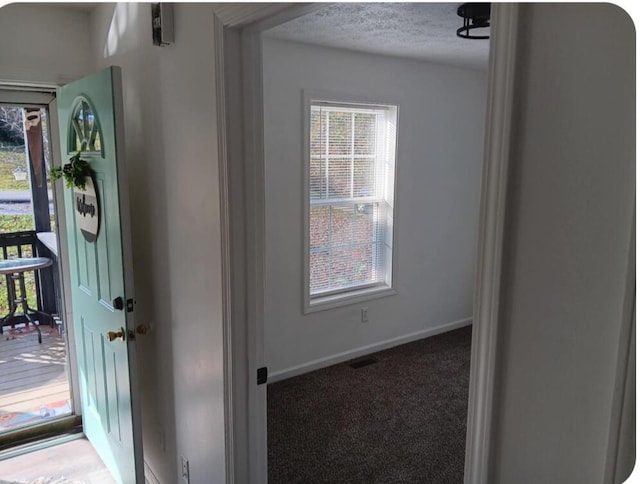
88,112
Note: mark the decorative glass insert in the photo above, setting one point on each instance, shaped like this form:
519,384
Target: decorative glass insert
85,135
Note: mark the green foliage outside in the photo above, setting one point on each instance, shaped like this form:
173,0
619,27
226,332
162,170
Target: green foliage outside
9,161
15,223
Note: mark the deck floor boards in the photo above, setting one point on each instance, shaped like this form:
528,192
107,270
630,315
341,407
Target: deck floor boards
31,374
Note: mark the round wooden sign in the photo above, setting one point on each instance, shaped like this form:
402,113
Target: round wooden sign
87,210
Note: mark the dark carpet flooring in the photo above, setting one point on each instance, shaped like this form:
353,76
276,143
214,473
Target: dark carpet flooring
400,420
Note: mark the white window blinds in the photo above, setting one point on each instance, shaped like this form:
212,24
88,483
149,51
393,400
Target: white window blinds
351,169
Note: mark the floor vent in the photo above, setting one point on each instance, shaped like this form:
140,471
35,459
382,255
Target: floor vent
363,362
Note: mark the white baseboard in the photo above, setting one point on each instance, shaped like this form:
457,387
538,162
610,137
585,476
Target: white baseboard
365,350
149,476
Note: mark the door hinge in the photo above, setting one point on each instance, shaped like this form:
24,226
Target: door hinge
262,375
130,303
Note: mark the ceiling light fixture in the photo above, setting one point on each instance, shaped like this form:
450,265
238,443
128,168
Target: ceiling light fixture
475,16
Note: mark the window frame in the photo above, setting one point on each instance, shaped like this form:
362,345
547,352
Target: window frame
353,295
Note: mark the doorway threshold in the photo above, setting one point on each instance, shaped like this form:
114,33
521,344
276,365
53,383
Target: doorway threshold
68,458
27,439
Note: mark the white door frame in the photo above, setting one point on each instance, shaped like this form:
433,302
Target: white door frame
238,57
490,255
44,95
63,257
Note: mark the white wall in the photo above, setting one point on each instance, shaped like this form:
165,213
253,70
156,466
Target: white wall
440,139
41,43
568,241
170,122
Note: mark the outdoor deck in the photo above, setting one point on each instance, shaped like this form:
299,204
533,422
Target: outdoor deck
33,377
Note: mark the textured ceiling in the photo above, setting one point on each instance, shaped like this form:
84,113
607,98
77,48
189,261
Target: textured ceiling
425,31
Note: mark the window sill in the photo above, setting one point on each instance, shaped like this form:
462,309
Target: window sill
322,303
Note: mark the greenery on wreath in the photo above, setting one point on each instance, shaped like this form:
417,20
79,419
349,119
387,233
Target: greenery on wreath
74,172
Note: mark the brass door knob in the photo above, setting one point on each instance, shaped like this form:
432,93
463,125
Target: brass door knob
114,335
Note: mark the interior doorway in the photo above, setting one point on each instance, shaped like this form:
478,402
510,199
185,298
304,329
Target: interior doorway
334,381
36,351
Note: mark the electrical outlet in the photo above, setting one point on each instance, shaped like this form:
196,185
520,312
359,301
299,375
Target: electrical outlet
185,469
364,314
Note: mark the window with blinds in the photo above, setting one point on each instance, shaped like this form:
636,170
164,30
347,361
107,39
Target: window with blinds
351,183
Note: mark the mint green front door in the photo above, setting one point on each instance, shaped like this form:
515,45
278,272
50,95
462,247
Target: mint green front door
90,118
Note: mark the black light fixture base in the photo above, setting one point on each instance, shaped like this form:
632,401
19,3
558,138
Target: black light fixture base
475,16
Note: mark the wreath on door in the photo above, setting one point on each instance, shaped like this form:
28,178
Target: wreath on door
74,172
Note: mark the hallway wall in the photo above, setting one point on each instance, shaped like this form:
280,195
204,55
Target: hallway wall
172,161
568,240
41,43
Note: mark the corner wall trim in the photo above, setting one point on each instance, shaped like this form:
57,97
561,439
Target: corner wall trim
238,76
365,350
149,476
225,230
614,471
484,352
